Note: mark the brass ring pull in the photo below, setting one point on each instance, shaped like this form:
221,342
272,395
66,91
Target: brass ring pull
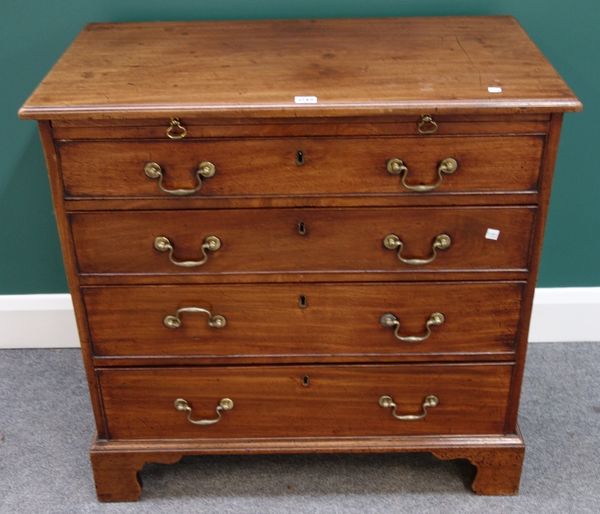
427,125
390,320
211,244
214,320
176,130
430,401
205,169
224,404
446,167
393,242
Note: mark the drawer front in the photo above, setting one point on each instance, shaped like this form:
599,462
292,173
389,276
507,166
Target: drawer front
303,320
300,166
303,401
303,240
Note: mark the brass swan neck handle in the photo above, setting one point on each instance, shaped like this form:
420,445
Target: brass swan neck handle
205,170
210,244
225,404
214,320
393,242
396,166
390,320
429,402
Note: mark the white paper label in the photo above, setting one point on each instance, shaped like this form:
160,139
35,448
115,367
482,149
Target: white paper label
305,99
492,233
494,89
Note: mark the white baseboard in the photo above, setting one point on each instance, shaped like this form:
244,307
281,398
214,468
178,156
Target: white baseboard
563,314
37,321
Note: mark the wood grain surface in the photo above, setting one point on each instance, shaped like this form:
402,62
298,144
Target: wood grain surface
270,167
268,240
274,401
498,470
497,459
258,68
389,125
303,321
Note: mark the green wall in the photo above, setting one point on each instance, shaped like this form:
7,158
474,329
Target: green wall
34,33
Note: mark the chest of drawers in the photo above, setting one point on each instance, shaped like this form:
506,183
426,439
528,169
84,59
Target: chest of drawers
302,236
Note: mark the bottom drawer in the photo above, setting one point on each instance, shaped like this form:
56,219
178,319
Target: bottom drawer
304,401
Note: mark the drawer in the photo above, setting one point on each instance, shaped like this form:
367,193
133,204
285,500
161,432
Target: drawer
304,401
294,321
302,240
299,166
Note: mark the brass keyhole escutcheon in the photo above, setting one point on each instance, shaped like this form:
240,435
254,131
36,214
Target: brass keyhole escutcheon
302,301
299,158
302,229
305,380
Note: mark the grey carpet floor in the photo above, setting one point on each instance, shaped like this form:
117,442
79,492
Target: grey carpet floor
45,431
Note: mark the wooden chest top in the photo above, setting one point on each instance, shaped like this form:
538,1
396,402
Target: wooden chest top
300,68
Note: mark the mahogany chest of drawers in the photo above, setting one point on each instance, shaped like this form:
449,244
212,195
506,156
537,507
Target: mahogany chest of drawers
302,236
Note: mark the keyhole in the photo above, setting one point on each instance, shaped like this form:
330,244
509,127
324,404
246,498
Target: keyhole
305,380
302,230
302,301
299,158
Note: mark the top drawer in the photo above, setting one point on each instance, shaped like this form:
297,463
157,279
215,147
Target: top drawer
300,166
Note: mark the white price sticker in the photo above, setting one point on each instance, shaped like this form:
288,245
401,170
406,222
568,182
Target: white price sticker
494,89
305,99
492,233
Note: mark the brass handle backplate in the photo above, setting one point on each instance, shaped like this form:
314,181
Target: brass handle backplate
154,171
396,166
224,404
176,130
214,320
393,242
390,320
430,401
210,244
